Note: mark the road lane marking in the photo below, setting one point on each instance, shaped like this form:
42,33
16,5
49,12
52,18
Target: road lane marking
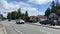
15,28
46,32
18,31
32,28
39,30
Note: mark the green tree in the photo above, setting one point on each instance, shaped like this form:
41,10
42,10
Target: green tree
1,16
58,12
14,15
9,16
22,15
52,10
58,8
47,12
53,7
57,4
26,15
19,12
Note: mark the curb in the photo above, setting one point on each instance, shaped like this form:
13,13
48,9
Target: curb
46,26
5,32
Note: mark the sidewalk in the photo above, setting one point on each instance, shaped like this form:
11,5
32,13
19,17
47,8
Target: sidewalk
55,27
2,29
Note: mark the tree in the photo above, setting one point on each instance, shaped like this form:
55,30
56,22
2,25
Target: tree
57,4
19,12
53,7
26,15
52,10
9,16
14,15
1,16
47,13
58,12
57,8
22,16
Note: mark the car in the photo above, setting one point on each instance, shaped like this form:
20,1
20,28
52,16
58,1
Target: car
20,21
31,21
9,20
44,22
47,22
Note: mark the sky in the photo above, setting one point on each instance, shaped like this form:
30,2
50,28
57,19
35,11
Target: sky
34,7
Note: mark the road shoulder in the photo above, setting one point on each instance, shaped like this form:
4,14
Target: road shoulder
2,29
54,27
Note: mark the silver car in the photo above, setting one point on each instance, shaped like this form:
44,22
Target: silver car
20,21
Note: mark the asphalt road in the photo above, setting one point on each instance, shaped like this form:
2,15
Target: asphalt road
8,27
29,29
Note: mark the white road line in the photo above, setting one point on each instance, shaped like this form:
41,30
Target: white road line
32,28
17,30
46,32
5,32
40,30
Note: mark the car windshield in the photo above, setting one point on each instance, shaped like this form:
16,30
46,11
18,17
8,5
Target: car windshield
29,16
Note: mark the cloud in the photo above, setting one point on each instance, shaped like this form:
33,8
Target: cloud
39,1
8,7
31,11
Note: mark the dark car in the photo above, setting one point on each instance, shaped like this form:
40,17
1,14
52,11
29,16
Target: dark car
9,20
44,22
47,22
31,21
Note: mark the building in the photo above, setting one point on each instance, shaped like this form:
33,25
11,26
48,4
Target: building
42,17
38,18
33,18
55,18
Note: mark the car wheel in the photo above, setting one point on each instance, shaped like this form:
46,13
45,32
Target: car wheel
53,24
44,24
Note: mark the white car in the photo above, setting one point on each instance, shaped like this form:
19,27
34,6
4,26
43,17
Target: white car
20,21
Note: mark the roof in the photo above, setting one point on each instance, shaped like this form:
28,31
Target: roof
41,16
38,16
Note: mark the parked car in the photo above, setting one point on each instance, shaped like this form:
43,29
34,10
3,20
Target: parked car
9,20
47,22
31,21
20,21
58,23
